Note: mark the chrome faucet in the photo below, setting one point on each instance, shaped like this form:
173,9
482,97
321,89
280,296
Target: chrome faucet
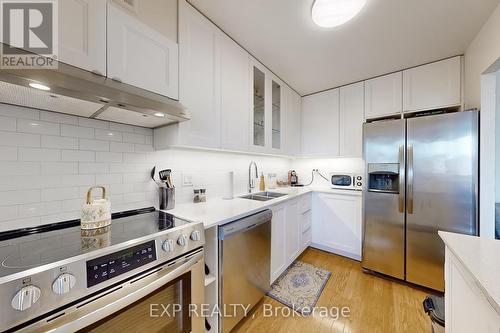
251,184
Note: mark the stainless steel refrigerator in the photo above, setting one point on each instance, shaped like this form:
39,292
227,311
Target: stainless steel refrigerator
421,177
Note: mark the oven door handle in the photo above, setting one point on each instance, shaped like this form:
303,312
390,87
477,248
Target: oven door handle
99,308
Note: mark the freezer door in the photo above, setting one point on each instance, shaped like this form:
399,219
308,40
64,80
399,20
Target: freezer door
442,165
383,210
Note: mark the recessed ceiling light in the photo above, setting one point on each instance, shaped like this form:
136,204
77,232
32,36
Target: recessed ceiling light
39,86
331,13
160,114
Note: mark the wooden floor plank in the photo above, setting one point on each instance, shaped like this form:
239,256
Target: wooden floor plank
376,304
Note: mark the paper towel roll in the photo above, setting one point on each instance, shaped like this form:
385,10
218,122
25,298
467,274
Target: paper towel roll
229,186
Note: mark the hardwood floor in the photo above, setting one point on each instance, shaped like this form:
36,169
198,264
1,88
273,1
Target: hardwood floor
376,304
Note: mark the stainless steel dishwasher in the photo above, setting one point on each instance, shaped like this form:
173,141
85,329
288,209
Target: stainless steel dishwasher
244,264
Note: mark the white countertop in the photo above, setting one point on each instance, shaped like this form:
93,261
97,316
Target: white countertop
481,257
219,211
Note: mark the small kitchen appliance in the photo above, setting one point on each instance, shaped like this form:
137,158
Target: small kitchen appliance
346,181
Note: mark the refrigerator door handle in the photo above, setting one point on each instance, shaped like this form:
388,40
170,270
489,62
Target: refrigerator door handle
409,209
401,178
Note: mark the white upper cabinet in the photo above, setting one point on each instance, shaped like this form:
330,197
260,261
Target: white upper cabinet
320,124
82,34
291,120
352,103
384,96
139,55
235,99
199,89
433,86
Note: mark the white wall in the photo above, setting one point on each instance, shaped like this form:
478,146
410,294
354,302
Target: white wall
325,166
483,51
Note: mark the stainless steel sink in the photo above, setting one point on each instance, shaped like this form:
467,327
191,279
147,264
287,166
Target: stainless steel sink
263,196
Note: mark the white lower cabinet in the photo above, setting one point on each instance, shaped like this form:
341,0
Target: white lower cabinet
278,246
287,237
466,307
337,223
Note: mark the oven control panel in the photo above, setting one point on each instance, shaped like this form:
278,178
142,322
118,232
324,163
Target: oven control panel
114,264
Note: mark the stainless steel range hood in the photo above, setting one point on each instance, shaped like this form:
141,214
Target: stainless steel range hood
79,92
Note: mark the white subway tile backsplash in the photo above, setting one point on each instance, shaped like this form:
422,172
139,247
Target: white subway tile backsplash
134,138
39,154
59,168
120,147
60,217
9,168
107,179
95,145
54,194
134,197
109,157
72,205
78,156
94,123
149,140
38,209
49,141
121,127
8,153
122,168
9,213
93,168
143,130
108,135
77,180
139,148
134,157
9,198
8,124
20,223
59,118
136,177
19,139
120,188
77,132
38,127
18,112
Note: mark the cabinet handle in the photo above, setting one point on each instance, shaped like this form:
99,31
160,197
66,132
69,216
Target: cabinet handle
410,179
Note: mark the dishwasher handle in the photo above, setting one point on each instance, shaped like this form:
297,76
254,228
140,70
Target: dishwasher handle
244,224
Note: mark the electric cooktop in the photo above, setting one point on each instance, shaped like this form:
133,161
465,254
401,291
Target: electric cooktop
25,249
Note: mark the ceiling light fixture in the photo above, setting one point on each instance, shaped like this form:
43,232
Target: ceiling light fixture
332,13
39,86
160,114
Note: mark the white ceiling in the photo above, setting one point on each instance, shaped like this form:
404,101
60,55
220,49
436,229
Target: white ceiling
388,35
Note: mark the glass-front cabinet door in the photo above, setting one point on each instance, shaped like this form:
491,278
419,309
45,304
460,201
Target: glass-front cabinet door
259,108
267,111
276,116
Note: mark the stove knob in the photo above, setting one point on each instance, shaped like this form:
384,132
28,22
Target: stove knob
63,284
25,298
168,245
195,235
182,240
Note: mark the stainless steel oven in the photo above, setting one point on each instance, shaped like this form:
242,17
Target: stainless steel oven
147,276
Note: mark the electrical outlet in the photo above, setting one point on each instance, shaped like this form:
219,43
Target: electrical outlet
187,179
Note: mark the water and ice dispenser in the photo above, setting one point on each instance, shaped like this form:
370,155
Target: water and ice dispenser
383,177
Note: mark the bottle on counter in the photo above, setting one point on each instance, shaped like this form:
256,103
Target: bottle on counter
196,196
203,195
262,183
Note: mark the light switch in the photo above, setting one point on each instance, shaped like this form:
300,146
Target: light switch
187,179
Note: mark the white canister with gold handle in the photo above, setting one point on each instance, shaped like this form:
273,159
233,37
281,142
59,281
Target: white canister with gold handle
96,213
